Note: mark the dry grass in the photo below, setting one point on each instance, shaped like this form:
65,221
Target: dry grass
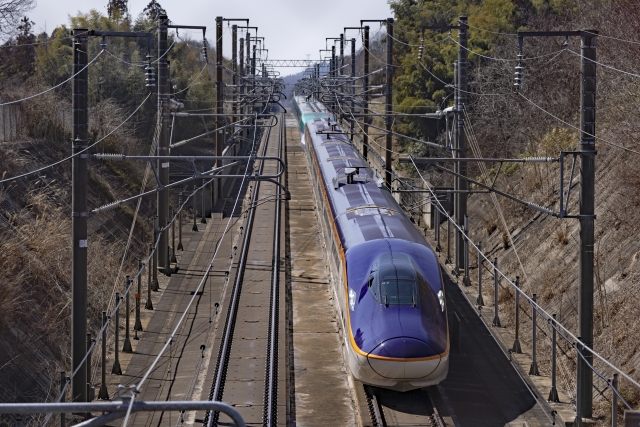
562,235
35,242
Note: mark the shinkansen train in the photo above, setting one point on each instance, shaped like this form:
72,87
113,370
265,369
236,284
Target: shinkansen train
307,110
388,284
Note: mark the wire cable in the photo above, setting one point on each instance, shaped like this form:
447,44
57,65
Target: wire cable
133,64
577,128
506,59
79,152
205,276
194,80
56,86
195,293
125,294
534,304
605,65
141,64
417,45
33,44
464,91
611,37
492,32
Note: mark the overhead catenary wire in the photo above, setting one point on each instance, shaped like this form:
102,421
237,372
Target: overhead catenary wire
461,90
435,197
611,37
49,40
492,32
79,152
563,330
193,81
475,147
417,45
56,86
605,65
143,64
148,372
555,54
101,332
195,294
536,306
507,59
613,144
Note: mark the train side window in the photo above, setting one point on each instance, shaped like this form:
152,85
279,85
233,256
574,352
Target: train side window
374,287
423,287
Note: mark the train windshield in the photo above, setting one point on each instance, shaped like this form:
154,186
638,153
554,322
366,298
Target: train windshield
397,292
394,281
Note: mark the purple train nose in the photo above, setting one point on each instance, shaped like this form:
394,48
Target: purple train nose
420,359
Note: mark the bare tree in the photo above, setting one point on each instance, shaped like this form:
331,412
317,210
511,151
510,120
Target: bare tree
10,13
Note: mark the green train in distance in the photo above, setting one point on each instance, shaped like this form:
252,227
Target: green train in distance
309,109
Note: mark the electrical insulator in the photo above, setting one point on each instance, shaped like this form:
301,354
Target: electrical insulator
151,75
205,56
103,43
519,74
420,51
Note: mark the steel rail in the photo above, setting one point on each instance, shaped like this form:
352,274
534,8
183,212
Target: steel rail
271,381
375,409
222,364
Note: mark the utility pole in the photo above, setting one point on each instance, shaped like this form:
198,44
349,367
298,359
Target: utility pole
353,83
365,97
219,103
587,152
388,104
234,49
587,216
316,90
253,63
241,57
333,61
333,74
163,137
248,51
79,213
253,72
341,54
241,89
247,71
460,197
459,142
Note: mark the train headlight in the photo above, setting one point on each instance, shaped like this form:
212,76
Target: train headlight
352,299
441,299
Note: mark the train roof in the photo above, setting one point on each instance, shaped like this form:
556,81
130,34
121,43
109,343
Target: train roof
309,106
363,210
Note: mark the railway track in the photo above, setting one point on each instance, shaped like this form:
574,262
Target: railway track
249,348
414,408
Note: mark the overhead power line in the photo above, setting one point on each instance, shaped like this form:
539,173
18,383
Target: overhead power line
613,144
56,86
79,152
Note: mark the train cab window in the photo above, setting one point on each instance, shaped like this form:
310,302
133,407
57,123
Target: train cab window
394,281
398,291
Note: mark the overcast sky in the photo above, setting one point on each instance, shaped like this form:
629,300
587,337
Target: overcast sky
292,28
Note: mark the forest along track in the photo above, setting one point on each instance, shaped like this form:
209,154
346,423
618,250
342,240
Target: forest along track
250,368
